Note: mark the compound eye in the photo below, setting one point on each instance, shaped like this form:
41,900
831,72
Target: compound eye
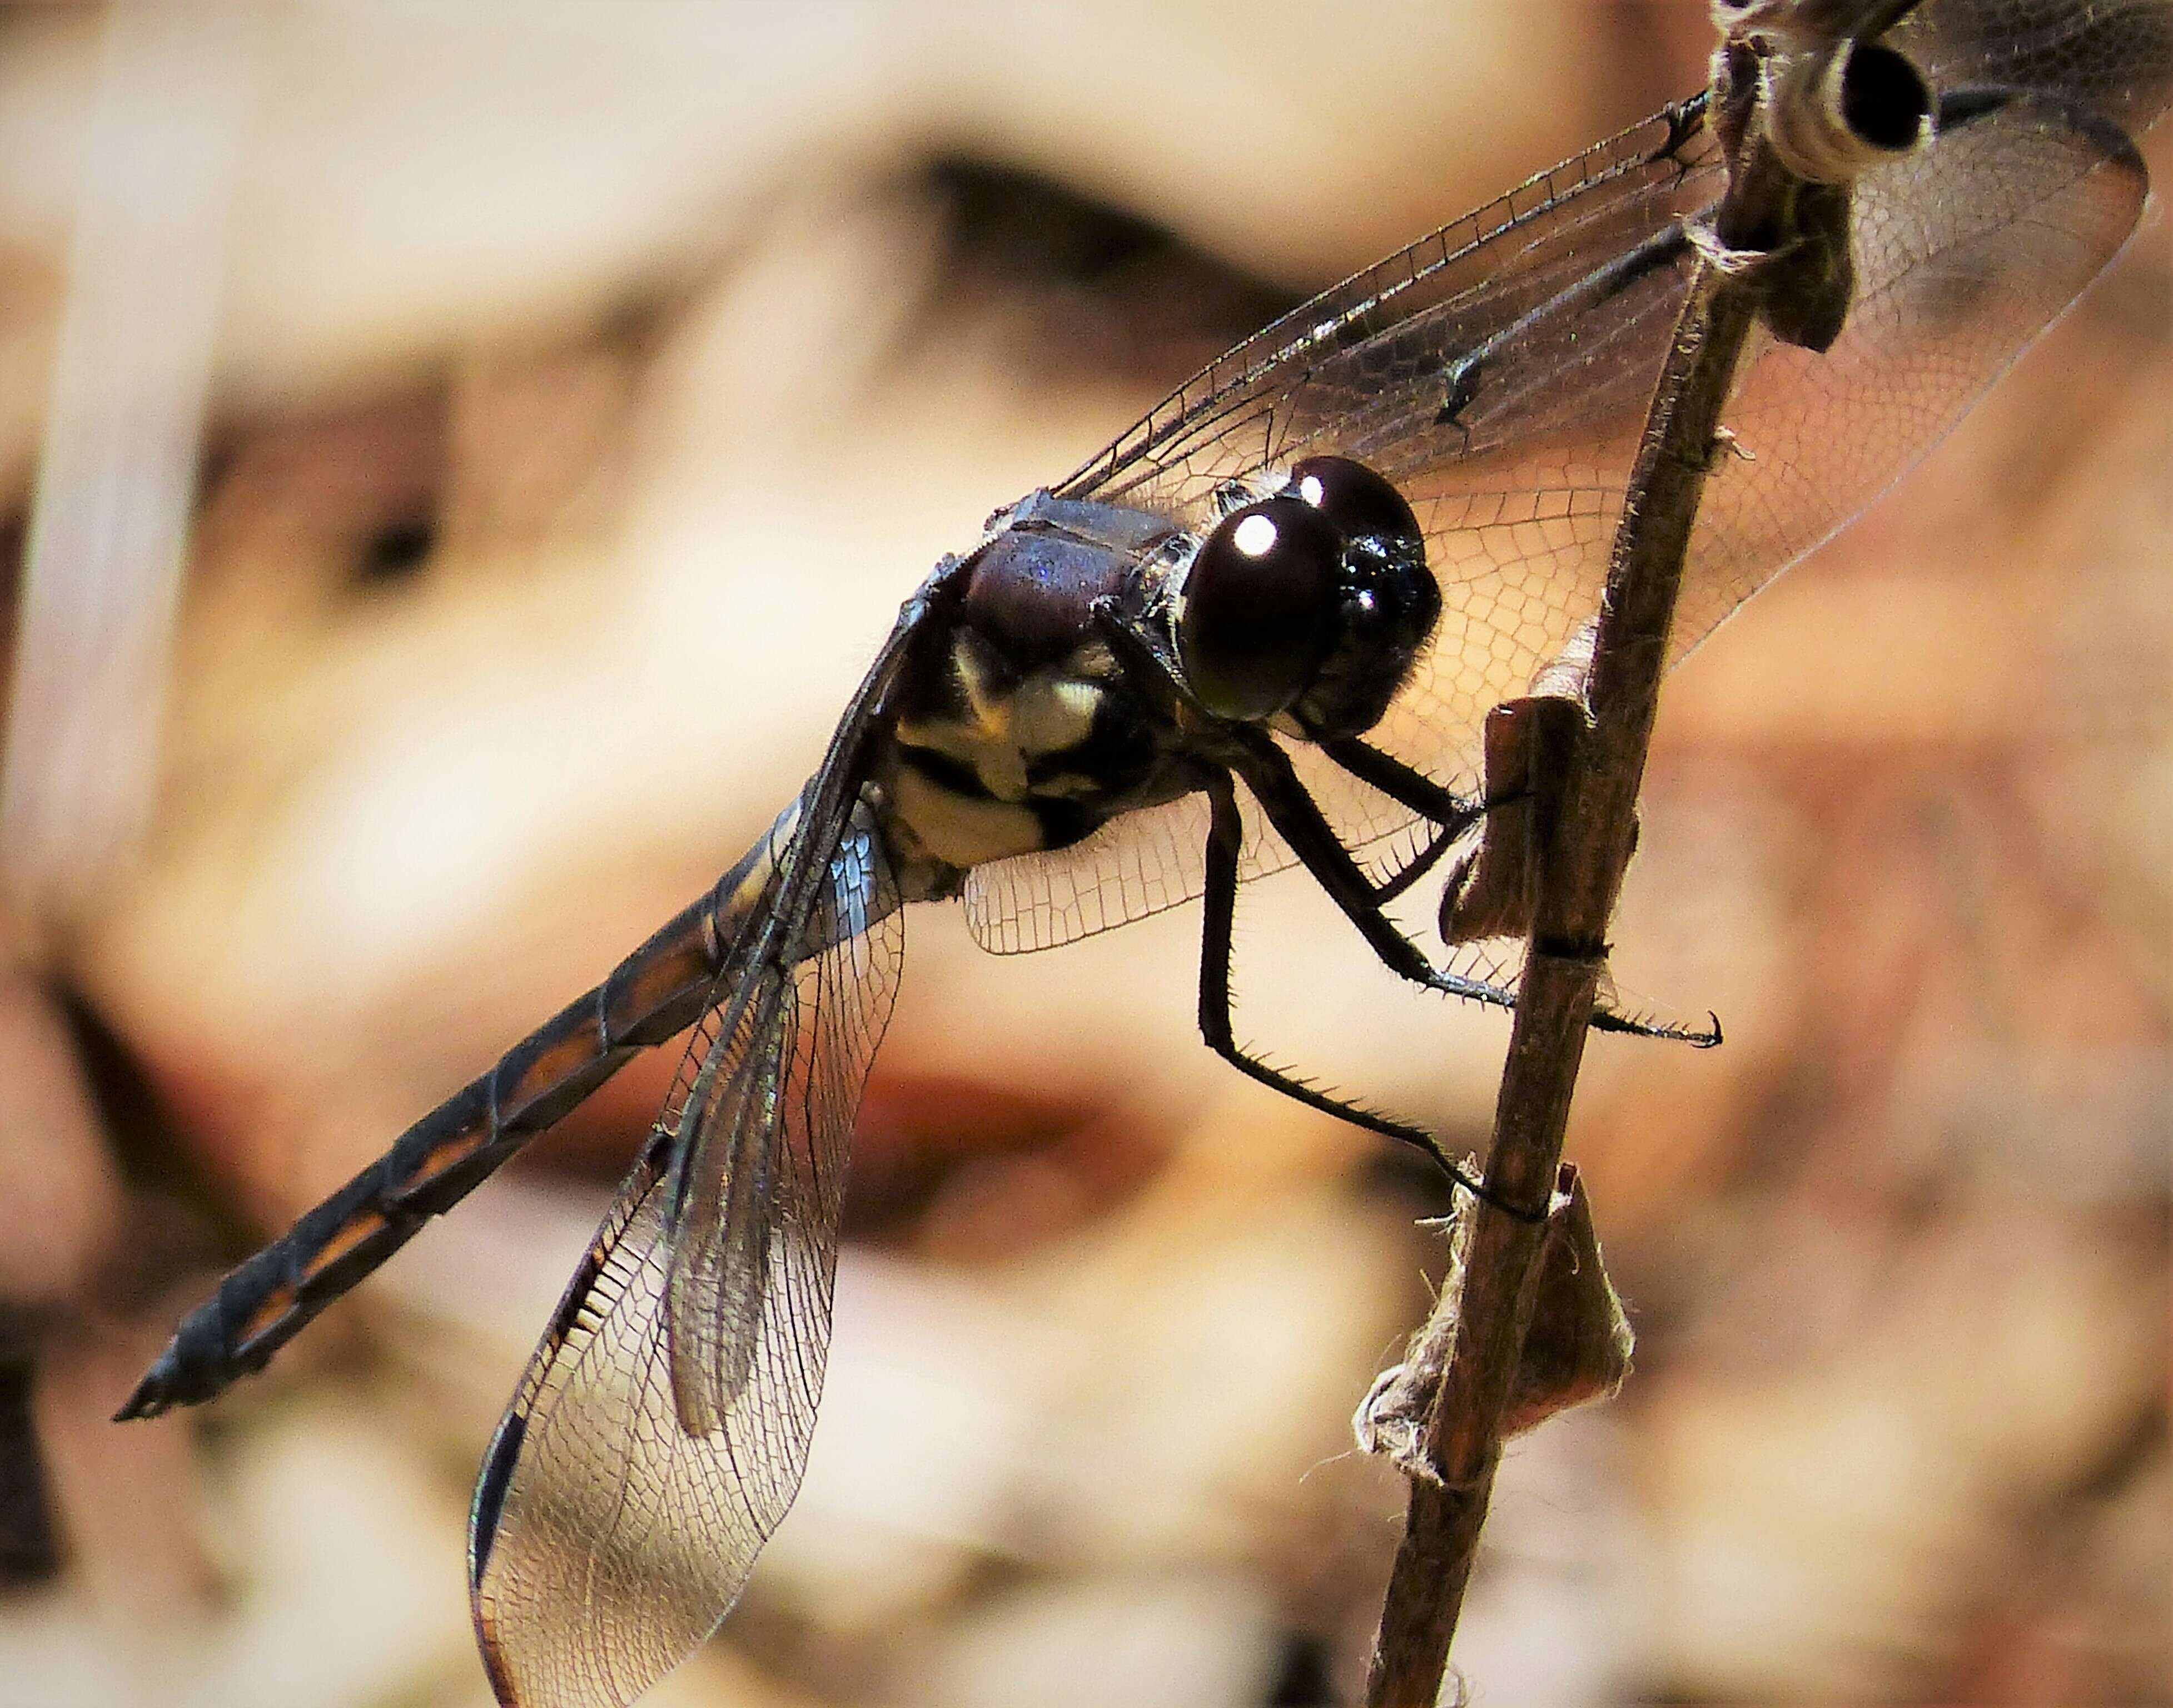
1260,606
1358,501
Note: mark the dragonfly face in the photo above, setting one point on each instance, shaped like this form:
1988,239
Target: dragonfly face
1266,627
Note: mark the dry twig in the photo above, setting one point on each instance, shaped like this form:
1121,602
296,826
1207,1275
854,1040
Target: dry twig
1775,248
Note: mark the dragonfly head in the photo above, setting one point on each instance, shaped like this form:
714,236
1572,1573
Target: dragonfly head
1315,602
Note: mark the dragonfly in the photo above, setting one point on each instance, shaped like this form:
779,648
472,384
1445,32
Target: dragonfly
1264,628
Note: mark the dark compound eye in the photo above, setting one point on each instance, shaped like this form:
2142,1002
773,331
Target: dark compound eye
1260,602
1357,500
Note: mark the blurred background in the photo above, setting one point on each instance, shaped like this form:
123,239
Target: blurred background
503,433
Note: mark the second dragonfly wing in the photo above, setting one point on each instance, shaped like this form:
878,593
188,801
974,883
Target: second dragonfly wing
661,1428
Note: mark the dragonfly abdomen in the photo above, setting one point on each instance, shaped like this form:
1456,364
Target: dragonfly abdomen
653,995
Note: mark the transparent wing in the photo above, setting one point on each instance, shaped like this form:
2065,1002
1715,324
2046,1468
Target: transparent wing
1499,371
2114,56
1964,254
1151,860
1131,867
660,1431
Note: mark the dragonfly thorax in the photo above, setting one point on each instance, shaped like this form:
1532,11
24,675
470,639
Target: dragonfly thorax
1094,650
1020,729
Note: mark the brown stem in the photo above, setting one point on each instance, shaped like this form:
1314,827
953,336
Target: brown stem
1582,873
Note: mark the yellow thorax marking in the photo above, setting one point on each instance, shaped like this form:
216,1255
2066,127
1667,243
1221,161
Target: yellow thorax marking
1049,711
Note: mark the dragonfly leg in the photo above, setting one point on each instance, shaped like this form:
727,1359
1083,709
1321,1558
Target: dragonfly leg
1291,809
1449,815
1225,838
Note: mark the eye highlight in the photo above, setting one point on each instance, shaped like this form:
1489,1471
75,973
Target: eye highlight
1255,535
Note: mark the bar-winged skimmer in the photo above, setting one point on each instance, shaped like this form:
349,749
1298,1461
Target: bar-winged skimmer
1265,626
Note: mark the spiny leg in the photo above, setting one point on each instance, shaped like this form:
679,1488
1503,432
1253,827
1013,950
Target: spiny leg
1291,809
1449,815
1266,770
1225,837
